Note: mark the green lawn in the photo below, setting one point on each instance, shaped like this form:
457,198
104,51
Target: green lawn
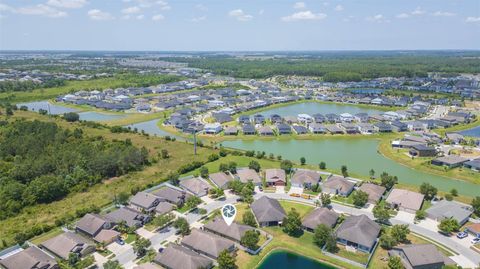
302,209
358,256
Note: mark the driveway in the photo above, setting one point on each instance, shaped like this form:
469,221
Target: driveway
295,190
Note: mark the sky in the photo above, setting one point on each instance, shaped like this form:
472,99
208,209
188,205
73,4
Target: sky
239,25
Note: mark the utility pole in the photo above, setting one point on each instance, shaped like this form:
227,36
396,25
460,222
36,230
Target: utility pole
195,141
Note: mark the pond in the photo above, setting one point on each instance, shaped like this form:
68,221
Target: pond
287,260
97,116
358,154
474,132
151,128
52,109
322,108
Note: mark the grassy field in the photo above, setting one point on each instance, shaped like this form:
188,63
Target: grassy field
101,194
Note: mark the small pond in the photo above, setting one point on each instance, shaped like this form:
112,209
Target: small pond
52,109
287,260
98,116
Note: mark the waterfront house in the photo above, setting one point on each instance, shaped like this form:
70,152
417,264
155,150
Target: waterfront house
172,195
450,161
212,128
268,211
231,130
290,119
244,119
332,118
304,178
318,118
334,129
374,191
220,179
144,201
92,224
349,128
30,258
299,129
222,117
365,128
258,119
399,126
207,243
422,151
449,209
346,117
421,256
337,186
405,200
234,231
283,128
67,243
265,131
195,185
359,232
317,128
179,257
321,215
246,174
304,118
248,129
361,117
382,127
473,164
275,118
275,177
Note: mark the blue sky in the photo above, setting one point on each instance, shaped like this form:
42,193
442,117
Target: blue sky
239,24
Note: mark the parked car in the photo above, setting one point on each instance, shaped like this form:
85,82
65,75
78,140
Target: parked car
260,188
120,242
462,235
475,240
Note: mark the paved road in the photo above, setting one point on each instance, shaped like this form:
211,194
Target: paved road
466,252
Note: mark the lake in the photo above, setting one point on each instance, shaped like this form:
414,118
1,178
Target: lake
52,109
287,260
322,108
474,132
98,116
359,155
151,128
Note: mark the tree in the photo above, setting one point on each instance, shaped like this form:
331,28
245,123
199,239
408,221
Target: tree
387,241
428,190
112,264
247,192
140,246
173,177
448,197
236,186
420,214
360,198
381,213
372,173
122,198
325,198
322,165
454,192
73,258
447,226
232,167
344,171
250,239
226,261
387,180
400,232
249,219
287,166
321,234
292,224
181,224
476,205
204,172
164,154
394,262
193,201
254,165
223,167
71,117
303,161
331,244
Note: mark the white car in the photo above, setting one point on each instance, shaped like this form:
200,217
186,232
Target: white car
475,240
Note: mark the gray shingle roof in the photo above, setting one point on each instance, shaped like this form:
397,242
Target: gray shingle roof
359,229
195,185
164,207
338,183
274,175
205,242
422,254
305,176
178,257
404,198
267,210
62,245
449,209
220,179
320,216
130,216
374,191
248,174
144,200
91,224
172,195
233,231
29,258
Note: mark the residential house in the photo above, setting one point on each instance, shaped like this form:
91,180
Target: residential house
258,119
361,117
346,117
268,211
382,127
305,118
283,128
338,186
245,175
422,151
275,177
129,216
474,229
230,130
30,258
304,178
164,207
333,129
179,257
349,128
449,209
321,215
318,118
317,128
275,118
244,119
172,195
473,165
221,179
399,126
405,200
374,191
248,129
212,128
365,128
207,244
421,256
195,185
66,243
92,224
144,201
450,161
265,131
234,231
359,232
299,129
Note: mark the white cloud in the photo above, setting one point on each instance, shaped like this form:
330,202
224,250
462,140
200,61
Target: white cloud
339,8
163,5
131,10
472,19
67,3
8,8
377,18
42,10
299,5
403,16
158,17
240,15
201,7
418,11
443,14
98,15
304,15
198,19
140,17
